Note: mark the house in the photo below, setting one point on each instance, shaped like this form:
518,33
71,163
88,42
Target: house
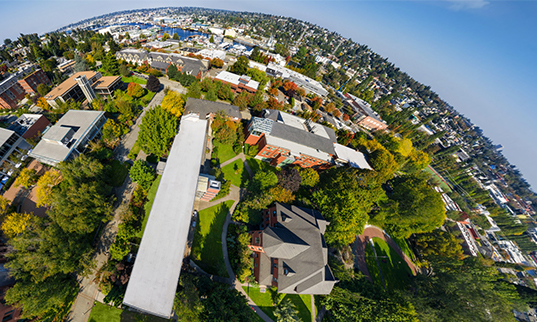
238,83
28,126
363,115
69,136
11,142
30,82
11,92
284,139
207,109
84,85
290,251
67,66
161,61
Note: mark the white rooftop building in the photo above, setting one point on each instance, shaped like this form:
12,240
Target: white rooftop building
157,267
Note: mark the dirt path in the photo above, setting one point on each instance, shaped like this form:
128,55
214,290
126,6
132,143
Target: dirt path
361,242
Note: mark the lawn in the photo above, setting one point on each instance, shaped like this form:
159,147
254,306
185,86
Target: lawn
224,151
207,244
258,165
133,153
148,204
236,173
134,79
403,244
302,302
394,269
116,172
372,266
438,179
104,313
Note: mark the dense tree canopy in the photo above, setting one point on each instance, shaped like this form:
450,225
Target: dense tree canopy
157,131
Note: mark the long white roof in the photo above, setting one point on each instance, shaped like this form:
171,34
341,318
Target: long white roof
355,158
157,267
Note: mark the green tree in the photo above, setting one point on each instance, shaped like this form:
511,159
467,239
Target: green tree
142,174
262,180
43,89
211,95
286,311
413,207
310,177
240,67
157,131
211,40
110,64
80,64
175,36
194,90
153,84
124,71
27,178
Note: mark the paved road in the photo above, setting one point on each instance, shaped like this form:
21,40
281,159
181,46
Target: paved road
176,86
89,291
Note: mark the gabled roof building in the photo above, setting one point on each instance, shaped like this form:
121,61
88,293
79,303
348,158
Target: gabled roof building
161,61
290,251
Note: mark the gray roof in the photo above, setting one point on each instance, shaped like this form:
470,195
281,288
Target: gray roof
298,238
159,65
5,134
80,122
154,278
302,137
204,107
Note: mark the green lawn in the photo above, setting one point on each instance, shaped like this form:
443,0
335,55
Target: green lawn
236,173
133,153
257,165
302,302
394,269
104,313
224,151
403,244
149,203
438,179
134,79
207,244
116,173
372,266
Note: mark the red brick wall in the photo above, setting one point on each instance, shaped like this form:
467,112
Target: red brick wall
7,102
5,309
37,127
33,80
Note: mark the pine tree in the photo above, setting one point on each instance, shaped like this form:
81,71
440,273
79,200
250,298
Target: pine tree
153,84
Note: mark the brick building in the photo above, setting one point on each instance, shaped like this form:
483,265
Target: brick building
363,115
290,252
11,92
30,82
238,83
284,139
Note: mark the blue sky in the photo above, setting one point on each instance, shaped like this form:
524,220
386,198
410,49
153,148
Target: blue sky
478,55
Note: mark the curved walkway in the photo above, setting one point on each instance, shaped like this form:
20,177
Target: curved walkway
243,158
361,242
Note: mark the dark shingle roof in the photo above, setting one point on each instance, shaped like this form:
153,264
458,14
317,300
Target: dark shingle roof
307,266
159,65
204,107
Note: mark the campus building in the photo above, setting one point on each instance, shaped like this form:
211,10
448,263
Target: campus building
308,84
238,83
30,82
364,115
284,139
11,92
69,136
11,142
28,126
290,252
92,83
162,61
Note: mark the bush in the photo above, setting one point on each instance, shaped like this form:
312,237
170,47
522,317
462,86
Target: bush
142,174
253,150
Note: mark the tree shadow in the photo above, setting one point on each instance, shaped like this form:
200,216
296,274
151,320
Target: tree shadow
211,258
394,268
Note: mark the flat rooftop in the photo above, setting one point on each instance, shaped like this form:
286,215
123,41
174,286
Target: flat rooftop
157,267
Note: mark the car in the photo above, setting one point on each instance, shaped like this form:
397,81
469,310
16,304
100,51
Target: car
194,224
195,213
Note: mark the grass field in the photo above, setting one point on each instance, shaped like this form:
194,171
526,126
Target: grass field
302,302
438,179
149,203
133,79
236,173
224,151
372,266
104,313
394,269
207,244
403,244
258,165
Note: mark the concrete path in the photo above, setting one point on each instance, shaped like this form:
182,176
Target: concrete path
173,85
243,158
361,242
313,313
89,291
121,152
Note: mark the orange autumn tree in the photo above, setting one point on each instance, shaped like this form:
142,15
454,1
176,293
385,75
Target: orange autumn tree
135,90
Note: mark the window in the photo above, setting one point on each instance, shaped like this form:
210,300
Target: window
257,240
8,316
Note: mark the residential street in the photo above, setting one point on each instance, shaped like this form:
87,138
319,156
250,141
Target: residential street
89,292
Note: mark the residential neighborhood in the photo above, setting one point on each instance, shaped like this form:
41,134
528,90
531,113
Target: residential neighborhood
191,164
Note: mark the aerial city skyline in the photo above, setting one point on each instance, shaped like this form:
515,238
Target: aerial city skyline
477,55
